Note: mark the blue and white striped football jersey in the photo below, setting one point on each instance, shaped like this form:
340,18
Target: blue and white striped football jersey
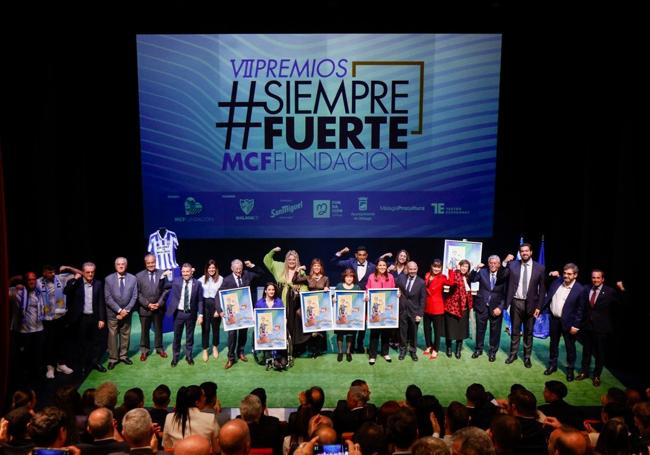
164,248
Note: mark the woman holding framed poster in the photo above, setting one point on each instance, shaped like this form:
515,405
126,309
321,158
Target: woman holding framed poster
315,281
457,306
380,279
284,273
270,299
348,283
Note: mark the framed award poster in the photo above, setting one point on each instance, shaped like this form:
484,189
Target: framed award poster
270,329
349,310
316,309
237,308
383,308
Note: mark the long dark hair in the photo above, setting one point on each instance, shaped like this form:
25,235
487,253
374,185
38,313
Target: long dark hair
206,277
186,398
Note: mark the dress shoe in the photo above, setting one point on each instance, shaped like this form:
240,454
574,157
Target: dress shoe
174,363
414,356
401,356
204,355
596,381
111,365
215,352
457,354
339,357
126,361
387,358
449,351
581,376
229,364
99,367
162,354
371,361
243,358
527,363
492,357
348,357
63,368
511,358
550,370
190,361
569,376
477,354
143,357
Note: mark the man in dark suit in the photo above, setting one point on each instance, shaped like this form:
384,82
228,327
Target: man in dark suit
121,294
525,297
564,299
362,269
137,430
151,303
413,296
87,317
597,301
554,394
239,278
488,305
265,431
186,302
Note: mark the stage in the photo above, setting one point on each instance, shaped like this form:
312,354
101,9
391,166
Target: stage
446,378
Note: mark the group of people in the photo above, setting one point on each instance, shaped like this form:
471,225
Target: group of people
70,311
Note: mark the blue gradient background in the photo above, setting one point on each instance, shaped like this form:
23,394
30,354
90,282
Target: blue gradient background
183,77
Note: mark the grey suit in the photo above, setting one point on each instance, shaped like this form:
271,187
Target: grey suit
117,300
151,290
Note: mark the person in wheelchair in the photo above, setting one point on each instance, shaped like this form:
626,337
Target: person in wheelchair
276,358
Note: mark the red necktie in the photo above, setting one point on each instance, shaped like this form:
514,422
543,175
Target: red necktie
594,295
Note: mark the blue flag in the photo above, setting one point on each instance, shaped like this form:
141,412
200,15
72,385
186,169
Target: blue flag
542,327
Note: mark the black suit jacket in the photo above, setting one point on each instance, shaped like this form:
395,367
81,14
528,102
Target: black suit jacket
75,293
536,285
573,305
486,299
598,318
196,296
267,433
412,302
103,447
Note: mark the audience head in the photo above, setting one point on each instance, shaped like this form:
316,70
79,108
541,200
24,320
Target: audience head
100,423
472,441
315,398
641,413
372,439
326,434
456,417
133,398
18,422
106,395
427,405
261,394
364,385
413,395
386,410
402,429
137,428
161,396
614,438
567,441
430,446
523,403
47,428
614,395
505,432
234,438
210,393
554,390
476,395
356,397
193,445
23,397
317,421
88,400
250,409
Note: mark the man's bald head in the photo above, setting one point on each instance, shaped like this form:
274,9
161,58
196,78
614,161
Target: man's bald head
100,423
234,438
326,434
193,445
567,440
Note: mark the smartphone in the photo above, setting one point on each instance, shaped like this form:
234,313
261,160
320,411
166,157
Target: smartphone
49,451
331,449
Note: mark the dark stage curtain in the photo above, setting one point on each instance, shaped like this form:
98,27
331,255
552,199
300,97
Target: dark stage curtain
4,300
